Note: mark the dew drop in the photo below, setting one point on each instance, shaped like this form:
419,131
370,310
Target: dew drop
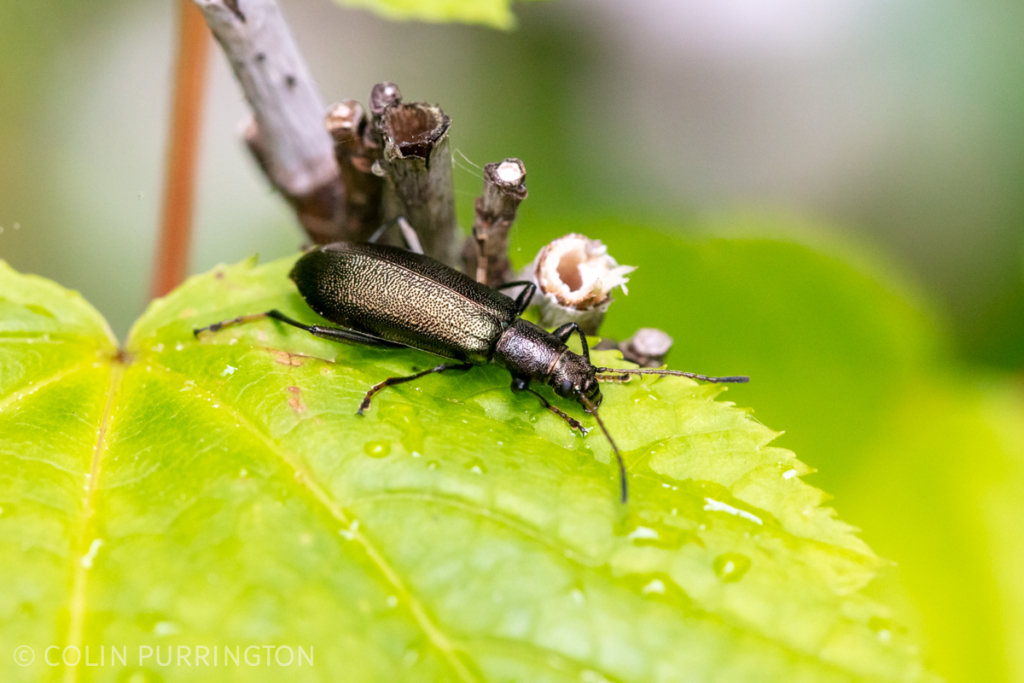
731,566
476,465
94,547
647,532
643,532
377,449
432,465
883,628
644,395
412,435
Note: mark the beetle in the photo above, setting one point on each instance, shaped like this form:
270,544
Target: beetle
389,297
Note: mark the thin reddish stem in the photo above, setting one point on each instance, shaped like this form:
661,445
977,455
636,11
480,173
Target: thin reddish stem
182,149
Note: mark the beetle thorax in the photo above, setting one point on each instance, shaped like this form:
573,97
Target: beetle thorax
531,353
528,351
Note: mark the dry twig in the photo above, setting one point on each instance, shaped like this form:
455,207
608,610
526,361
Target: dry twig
485,254
417,166
286,135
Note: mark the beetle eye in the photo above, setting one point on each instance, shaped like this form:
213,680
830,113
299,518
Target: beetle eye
566,388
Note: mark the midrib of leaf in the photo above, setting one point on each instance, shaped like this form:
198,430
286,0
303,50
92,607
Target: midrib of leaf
81,571
33,339
438,639
23,393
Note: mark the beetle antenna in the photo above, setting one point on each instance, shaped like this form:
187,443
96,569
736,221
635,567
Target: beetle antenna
739,379
592,409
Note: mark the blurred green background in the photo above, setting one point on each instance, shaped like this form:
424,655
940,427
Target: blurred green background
827,196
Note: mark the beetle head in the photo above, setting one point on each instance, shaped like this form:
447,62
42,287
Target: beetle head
573,375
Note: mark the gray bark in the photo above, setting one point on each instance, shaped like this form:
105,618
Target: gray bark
417,166
287,135
485,253
347,124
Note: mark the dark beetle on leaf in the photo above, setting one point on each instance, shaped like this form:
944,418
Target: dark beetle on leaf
389,297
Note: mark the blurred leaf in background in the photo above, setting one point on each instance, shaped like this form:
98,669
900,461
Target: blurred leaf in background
495,13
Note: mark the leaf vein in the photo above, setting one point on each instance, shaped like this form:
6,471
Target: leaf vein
81,570
437,638
20,394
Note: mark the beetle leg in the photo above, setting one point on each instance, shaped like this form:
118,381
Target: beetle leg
566,330
412,240
331,333
621,379
372,239
514,283
519,384
392,381
571,421
525,296
334,333
234,321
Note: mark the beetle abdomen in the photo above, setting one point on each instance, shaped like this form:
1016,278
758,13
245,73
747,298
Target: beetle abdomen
404,298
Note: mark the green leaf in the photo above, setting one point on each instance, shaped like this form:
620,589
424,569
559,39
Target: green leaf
222,493
495,13
828,337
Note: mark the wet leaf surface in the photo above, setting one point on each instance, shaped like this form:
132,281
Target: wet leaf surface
222,493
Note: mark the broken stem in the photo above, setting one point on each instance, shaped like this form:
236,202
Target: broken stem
485,254
363,189
647,347
417,166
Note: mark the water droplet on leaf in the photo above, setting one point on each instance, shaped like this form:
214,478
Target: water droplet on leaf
377,449
731,566
476,465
